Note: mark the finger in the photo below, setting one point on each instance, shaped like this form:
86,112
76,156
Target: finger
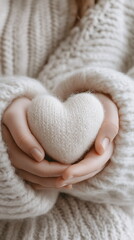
22,161
92,162
18,127
42,181
8,138
41,169
36,186
70,186
40,187
110,125
63,183
106,135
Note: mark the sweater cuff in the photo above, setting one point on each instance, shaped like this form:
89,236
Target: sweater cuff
115,184
18,199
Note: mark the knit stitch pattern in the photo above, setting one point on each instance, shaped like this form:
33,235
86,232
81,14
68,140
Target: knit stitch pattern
94,62
72,219
66,129
36,41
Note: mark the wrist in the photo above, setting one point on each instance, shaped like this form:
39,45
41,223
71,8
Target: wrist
14,107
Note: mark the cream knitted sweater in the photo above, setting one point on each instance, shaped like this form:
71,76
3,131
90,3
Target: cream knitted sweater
39,50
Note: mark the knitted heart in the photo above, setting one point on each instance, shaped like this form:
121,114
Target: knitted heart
66,130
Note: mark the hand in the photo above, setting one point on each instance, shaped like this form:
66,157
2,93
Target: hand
99,155
21,144
15,119
37,174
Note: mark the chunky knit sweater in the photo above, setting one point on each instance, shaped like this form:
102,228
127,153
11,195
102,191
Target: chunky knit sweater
40,48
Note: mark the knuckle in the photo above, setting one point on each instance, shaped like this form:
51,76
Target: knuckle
43,169
114,129
40,171
8,116
111,127
22,140
69,173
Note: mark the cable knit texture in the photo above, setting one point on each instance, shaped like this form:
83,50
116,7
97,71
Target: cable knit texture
72,219
36,41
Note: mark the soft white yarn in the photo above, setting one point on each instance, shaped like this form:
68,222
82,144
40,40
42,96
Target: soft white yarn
66,129
72,219
99,51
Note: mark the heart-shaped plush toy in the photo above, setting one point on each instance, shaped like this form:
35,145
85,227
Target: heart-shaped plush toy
65,129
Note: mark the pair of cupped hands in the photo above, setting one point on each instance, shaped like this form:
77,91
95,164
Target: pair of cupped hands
28,156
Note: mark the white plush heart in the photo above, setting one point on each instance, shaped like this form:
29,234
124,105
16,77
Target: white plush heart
66,130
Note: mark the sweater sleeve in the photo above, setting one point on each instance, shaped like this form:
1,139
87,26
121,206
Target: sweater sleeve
115,184
84,61
18,199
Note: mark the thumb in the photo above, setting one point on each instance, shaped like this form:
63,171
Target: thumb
106,135
110,125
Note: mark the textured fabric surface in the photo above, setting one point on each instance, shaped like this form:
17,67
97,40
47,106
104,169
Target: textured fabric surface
118,175
36,41
72,219
100,59
66,129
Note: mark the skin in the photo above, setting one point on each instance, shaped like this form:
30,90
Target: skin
27,155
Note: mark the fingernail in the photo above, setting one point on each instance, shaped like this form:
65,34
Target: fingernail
66,182
37,154
61,185
105,143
